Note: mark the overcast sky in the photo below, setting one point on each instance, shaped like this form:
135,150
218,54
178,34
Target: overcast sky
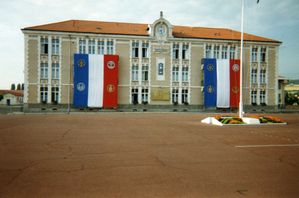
276,19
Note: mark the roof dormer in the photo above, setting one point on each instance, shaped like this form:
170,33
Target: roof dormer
161,29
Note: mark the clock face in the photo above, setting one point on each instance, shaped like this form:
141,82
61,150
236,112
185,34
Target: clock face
161,30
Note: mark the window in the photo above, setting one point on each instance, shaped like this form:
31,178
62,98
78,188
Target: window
279,98
185,74
144,95
145,50
263,97
253,97
91,47
175,96
175,73
101,47
55,70
82,46
224,52
134,92
44,45
254,75
110,47
135,73
44,94
185,51
208,51
55,94
263,54
175,51
185,96
160,69
135,48
216,51
254,54
55,46
144,72
263,76
44,70
232,52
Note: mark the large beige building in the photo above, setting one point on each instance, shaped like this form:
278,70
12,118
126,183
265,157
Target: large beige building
160,64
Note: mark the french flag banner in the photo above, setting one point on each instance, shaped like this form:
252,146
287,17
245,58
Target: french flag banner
221,83
95,80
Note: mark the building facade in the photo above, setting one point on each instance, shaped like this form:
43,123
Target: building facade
160,64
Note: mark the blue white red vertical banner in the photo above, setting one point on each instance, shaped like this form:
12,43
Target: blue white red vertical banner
95,80
221,83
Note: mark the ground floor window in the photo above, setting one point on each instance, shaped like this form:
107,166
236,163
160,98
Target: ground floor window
263,97
134,96
55,94
253,97
144,95
175,96
185,96
43,94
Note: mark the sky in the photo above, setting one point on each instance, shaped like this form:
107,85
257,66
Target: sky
275,19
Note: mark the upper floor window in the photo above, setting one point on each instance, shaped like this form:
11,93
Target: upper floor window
185,71
135,49
44,70
44,45
135,73
263,76
101,47
144,72
175,51
55,46
224,52
91,47
232,52
263,54
208,51
254,75
254,54
110,47
175,74
82,46
145,47
216,51
185,51
55,70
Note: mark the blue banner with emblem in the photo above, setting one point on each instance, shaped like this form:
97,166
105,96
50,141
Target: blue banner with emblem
210,82
80,80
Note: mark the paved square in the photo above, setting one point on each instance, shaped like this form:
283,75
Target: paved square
145,155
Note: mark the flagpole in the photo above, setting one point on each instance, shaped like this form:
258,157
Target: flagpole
241,65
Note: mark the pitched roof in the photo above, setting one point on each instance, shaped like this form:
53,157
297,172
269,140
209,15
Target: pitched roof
13,92
101,27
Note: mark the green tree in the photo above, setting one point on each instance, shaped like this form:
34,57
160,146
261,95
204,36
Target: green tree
19,86
13,87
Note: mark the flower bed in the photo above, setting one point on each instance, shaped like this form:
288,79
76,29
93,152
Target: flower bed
229,120
259,119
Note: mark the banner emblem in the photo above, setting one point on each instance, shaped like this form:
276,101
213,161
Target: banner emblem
81,86
236,67
235,89
110,88
111,64
210,67
81,63
210,89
